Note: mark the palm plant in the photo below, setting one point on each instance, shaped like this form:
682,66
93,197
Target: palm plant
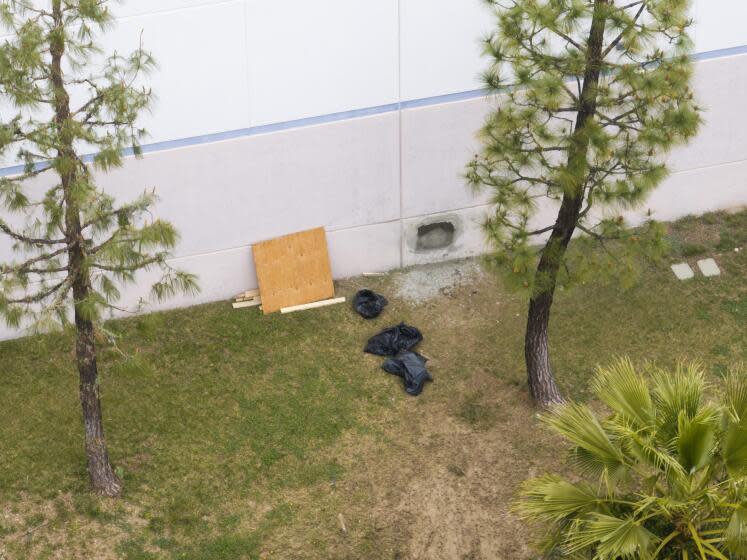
664,476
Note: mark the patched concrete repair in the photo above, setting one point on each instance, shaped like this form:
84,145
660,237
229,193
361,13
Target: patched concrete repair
418,285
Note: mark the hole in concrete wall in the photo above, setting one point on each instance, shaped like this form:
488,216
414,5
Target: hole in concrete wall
435,236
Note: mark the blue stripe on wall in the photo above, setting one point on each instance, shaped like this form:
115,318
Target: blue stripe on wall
335,117
719,53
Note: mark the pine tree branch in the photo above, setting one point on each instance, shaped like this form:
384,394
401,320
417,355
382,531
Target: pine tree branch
617,39
26,266
610,121
598,236
91,102
101,124
44,294
532,180
42,271
631,5
29,6
593,182
157,259
29,240
38,170
541,231
589,198
567,38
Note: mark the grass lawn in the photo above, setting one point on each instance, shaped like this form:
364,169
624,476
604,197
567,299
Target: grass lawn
243,436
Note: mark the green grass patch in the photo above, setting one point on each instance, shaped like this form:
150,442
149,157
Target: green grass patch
229,427
693,250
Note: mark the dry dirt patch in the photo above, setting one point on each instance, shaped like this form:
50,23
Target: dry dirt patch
439,478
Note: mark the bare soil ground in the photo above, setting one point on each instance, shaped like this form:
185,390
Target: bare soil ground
438,483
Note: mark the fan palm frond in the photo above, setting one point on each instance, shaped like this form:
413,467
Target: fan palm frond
697,438
611,538
578,424
673,393
735,394
550,498
734,449
735,536
683,462
626,392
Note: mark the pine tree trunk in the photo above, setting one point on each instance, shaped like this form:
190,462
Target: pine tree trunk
540,376
102,477
542,385
103,480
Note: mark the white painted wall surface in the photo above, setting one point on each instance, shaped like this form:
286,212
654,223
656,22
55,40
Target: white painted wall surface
320,57
719,24
227,65
440,46
230,65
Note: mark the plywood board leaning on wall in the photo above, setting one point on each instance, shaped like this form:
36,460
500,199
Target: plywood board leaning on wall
293,270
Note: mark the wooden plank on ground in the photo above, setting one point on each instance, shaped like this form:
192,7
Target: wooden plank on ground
249,303
314,305
293,270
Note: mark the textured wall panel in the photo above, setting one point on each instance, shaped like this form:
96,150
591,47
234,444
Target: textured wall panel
437,143
229,194
201,84
720,24
321,57
441,46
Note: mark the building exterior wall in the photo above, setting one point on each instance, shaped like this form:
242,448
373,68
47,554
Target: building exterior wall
359,116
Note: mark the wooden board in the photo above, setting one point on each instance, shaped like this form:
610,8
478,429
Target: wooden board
293,270
314,305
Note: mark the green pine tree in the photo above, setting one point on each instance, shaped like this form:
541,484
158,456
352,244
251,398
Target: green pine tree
591,96
74,243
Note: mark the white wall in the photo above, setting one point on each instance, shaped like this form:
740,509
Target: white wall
372,176
228,65
719,24
234,64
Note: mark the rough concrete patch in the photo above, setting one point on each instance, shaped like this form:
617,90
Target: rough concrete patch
423,283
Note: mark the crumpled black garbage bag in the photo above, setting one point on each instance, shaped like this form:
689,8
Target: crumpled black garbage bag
393,340
369,304
410,366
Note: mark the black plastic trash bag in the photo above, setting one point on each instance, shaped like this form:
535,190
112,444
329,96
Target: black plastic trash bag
393,340
369,304
410,366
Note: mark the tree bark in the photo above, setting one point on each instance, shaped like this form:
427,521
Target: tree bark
540,375
102,477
